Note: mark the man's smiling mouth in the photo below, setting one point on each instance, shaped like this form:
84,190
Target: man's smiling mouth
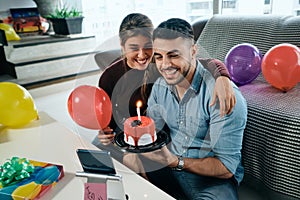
169,70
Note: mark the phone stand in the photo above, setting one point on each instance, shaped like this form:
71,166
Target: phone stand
114,183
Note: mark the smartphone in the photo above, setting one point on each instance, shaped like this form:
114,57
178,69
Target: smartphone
96,161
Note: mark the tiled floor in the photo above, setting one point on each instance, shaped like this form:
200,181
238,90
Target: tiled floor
53,100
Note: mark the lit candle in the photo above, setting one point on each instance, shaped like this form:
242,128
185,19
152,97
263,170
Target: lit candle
138,105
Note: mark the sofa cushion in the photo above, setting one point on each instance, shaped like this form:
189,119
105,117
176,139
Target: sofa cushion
271,145
271,140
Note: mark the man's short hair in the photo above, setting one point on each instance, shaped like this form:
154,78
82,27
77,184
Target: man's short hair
174,28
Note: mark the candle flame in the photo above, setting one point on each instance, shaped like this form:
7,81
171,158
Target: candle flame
139,104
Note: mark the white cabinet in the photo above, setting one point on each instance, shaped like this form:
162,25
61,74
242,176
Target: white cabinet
40,58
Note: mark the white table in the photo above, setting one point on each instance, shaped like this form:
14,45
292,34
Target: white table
49,141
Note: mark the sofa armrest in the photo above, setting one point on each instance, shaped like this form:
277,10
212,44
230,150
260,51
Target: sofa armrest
198,26
105,58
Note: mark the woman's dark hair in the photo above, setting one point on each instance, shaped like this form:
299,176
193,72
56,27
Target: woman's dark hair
132,25
135,24
174,28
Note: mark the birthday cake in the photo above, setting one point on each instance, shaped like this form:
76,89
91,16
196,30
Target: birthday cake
139,132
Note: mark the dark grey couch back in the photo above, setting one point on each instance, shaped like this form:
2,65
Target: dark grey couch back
222,32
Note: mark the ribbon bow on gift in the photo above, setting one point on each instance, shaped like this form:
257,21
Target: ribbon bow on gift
14,170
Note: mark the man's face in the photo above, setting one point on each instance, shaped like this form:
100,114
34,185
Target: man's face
174,59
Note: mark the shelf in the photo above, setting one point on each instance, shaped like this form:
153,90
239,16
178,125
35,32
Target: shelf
38,58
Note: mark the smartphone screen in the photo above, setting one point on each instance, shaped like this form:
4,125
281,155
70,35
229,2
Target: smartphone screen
96,161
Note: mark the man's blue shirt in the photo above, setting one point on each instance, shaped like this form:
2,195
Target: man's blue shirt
196,128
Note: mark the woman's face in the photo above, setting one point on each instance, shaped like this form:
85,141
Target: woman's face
138,52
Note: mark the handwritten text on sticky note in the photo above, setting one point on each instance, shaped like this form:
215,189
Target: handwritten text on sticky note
95,191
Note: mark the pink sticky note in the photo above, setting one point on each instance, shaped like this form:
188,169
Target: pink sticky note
95,191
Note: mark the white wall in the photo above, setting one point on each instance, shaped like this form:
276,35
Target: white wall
251,7
5,5
160,10
285,7
102,18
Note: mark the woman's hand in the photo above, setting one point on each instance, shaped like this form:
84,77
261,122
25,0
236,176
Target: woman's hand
106,136
224,92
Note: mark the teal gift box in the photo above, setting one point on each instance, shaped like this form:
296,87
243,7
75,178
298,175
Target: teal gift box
22,179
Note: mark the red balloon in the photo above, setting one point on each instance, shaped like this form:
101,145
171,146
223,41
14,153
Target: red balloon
281,66
90,107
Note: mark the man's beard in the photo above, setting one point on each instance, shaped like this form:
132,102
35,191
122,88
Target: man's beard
181,78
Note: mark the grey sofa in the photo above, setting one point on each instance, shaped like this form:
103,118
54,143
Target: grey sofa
271,145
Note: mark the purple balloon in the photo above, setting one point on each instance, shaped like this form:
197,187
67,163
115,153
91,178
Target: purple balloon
243,62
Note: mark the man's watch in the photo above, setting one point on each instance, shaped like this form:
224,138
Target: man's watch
180,164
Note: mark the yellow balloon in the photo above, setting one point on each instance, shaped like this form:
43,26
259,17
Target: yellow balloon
10,33
28,191
17,107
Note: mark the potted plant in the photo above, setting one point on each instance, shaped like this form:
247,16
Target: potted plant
66,21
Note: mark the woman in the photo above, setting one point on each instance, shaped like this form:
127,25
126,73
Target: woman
130,79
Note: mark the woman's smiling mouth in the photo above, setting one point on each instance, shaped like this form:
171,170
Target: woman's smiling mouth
142,61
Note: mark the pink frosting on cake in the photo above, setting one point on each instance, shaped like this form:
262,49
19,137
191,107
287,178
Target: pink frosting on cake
139,133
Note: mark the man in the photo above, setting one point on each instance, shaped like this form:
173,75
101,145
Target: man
205,152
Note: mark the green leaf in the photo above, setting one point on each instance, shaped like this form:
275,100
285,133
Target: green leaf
65,13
